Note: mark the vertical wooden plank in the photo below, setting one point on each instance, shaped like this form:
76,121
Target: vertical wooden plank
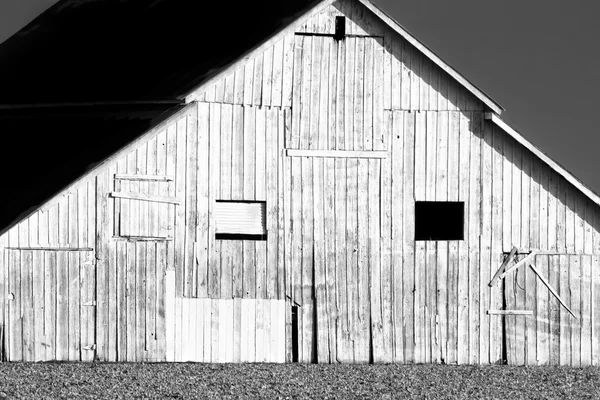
227,306
141,265
239,85
375,273
180,218
343,350
261,331
177,328
283,219
15,335
319,259
260,188
295,234
541,312
170,315
475,268
229,89
214,183
575,305
3,297
202,205
349,86
453,250
352,255
595,328
462,272
272,198
405,100
397,210
257,83
387,274
307,259
368,95
330,187
248,81
122,300
299,100
359,79
420,182
267,76
62,311
231,158
396,73
206,305
252,329
408,235
301,136
27,305
131,298
237,331
554,313
249,192
277,75
586,310
191,210
441,194
37,312
496,333
213,306
310,138
487,268
565,317
244,330
289,68
50,291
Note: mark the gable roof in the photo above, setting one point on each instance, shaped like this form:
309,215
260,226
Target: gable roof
478,93
128,109
96,74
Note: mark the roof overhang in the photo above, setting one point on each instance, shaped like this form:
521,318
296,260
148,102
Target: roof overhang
551,163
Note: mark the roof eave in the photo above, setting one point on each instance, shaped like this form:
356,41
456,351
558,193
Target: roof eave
392,23
495,118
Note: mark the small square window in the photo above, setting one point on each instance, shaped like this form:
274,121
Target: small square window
240,220
437,220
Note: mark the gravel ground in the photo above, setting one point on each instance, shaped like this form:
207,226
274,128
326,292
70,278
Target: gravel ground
291,381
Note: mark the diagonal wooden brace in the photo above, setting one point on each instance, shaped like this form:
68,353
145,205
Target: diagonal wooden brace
525,261
551,289
503,266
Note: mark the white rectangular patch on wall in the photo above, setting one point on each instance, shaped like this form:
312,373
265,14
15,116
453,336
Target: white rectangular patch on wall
240,217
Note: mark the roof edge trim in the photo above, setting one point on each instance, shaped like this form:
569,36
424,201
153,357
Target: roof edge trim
392,23
551,163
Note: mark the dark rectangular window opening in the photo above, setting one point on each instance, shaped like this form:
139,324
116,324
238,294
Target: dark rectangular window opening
439,220
340,28
295,334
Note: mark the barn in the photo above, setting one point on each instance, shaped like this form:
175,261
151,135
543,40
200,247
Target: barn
335,194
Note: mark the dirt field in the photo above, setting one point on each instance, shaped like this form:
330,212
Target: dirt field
186,381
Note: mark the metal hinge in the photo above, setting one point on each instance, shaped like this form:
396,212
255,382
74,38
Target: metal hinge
91,347
90,304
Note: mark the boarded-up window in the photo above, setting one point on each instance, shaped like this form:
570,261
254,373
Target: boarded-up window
144,206
240,220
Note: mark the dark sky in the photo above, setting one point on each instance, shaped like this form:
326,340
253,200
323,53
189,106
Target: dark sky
537,58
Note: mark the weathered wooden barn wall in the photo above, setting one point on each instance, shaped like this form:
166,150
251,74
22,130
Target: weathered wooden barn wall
339,138
415,300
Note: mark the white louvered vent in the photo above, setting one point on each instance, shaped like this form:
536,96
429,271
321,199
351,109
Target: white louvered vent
243,218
